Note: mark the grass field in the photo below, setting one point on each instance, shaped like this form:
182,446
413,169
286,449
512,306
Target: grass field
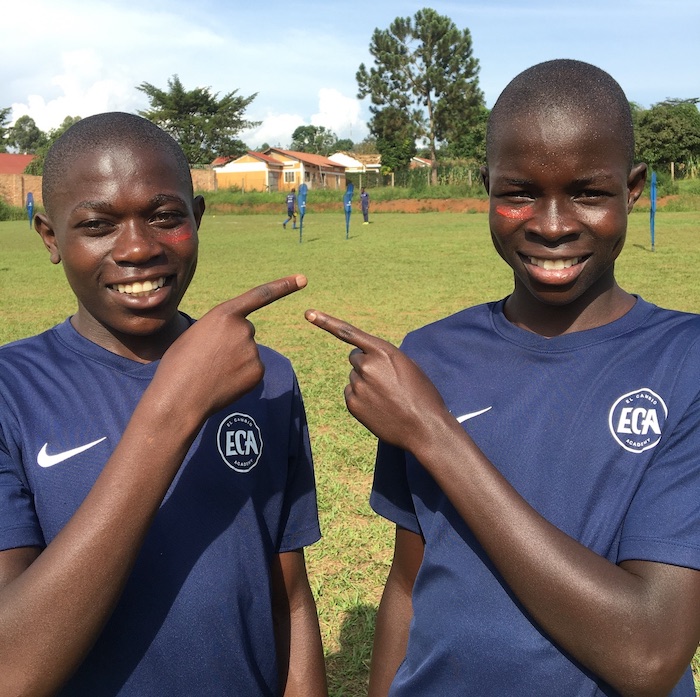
391,276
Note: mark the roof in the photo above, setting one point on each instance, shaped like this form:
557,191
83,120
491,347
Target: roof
224,159
11,163
265,158
369,159
307,157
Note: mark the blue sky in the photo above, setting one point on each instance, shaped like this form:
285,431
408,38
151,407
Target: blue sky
79,57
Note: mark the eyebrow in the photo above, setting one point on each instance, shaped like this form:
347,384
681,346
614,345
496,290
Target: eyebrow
155,201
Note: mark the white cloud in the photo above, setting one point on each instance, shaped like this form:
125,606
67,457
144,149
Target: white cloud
86,86
340,114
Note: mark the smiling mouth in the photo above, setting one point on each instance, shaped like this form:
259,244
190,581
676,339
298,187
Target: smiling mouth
139,289
554,264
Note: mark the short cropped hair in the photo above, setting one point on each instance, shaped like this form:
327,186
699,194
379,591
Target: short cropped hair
580,89
101,131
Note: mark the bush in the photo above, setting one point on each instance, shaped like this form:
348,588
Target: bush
8,212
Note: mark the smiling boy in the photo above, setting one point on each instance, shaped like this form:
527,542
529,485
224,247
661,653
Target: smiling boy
156,484
540,455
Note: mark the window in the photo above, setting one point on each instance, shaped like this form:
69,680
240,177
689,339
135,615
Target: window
289,177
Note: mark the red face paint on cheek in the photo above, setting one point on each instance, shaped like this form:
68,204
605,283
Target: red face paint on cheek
519,213
178,237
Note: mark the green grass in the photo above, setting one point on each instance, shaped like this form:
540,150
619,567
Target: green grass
396,274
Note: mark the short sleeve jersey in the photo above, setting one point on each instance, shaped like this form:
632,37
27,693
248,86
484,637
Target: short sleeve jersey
291,202
598,430
195,616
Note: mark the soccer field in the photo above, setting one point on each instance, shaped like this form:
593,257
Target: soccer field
389,277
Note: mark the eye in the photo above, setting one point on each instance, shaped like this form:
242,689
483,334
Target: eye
168,218
96,226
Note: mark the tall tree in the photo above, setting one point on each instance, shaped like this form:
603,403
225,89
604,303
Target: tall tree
424,67
396,138
36,166
668,132
314,139
4,121
204,125
25,136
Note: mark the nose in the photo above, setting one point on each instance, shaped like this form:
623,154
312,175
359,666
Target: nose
135,244
553,219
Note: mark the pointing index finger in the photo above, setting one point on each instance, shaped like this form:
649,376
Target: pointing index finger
343,330
267,293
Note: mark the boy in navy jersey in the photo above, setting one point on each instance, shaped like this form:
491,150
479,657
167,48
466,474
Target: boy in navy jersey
291,209
156,484
540,455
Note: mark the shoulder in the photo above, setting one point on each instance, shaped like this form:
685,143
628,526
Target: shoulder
442,331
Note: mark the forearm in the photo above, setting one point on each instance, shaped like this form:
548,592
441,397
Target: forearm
52,612
600,613
390,639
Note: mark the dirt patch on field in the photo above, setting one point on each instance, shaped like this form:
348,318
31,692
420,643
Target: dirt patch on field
408,205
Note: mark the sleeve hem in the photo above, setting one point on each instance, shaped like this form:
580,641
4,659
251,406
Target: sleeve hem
385,508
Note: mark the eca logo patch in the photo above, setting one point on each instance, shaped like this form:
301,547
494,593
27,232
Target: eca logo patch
240,442
637,419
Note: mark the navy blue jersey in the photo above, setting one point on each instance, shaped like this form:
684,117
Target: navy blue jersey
291,203
195,617
598,430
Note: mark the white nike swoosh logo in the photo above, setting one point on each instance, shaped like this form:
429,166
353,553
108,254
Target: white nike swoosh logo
43,459
465,417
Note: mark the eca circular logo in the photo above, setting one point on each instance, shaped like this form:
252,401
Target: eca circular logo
240,442
637,419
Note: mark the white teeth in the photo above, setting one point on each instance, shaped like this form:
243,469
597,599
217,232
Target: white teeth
140,289
554,264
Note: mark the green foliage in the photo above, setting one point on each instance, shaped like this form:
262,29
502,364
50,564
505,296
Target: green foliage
36,166
425,70
668,132
25,136
204,125
395,136
4,120
468,143
317,140
8,212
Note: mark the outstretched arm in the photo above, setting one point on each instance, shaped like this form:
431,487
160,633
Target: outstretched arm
635,625
54,604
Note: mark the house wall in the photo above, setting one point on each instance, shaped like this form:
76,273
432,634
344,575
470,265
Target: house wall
15,187
247,181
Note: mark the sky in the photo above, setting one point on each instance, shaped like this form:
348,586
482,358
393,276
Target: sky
63,58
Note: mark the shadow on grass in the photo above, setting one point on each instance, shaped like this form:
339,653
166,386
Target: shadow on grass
348,669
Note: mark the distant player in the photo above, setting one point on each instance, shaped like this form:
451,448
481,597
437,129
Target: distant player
364,204
156,484
291,209
540,455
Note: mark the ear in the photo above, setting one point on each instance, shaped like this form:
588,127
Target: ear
635,184
198,208
45,229
485,177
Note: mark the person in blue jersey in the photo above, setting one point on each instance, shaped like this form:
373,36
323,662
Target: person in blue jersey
540,455
291,209
156,482
364,204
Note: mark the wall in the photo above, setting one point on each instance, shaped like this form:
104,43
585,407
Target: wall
14,189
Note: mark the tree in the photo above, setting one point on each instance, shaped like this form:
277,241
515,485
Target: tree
425,69
36,166
469,143
343,145
205,126
4,120
396,138
25,136
318,140
668,132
